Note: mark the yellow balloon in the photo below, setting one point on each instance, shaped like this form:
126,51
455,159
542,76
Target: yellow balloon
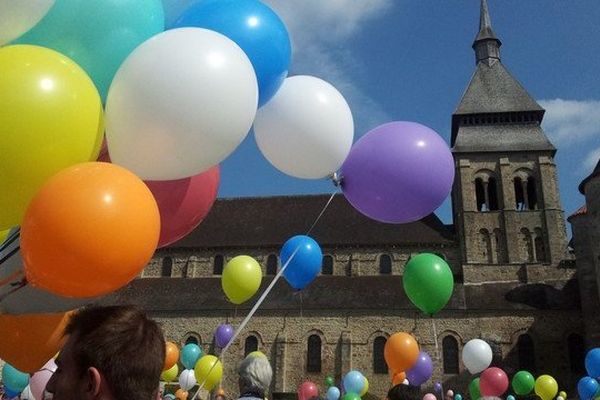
170,374
4,235
546,387
563,395
365,388
257,353
241,279
203,371
50,119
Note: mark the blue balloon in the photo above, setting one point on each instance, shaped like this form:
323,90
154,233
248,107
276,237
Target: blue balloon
587,388
354,382
510,397
255,28
10,393
333,393
459,397
190,354
13,379
592,363
306,263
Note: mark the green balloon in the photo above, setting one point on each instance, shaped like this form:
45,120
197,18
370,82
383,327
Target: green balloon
428,282
329,381
523,383
474,389
351,396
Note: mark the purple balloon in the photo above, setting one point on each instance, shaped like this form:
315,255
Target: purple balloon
398,172
223,335
421,371
437,386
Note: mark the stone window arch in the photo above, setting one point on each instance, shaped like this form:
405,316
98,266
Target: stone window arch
450,355
540,247
385,264
379,364
576,348
167,267
525,188
250,344
272,263
526,352
193,338
486,191
527,245
313,354
218,265
327,268
486,246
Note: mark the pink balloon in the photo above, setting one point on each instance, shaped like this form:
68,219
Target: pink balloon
493,382
429,396
38,381
307,390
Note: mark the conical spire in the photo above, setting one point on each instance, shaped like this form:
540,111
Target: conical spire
486,44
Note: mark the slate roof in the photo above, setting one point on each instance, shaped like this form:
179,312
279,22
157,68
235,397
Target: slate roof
499,138
485,24
269,221
595,173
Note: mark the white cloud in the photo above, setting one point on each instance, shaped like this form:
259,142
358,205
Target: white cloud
591,160
570,122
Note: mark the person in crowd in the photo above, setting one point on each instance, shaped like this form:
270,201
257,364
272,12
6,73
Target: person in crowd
401,392
255,376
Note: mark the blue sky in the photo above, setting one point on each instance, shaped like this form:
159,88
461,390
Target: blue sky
412,59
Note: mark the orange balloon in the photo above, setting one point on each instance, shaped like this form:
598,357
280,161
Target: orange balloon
28,341
171,355
89,231
398,378
181,394
401,351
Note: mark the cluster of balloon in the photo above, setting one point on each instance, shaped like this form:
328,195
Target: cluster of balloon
398,172
402,355
428,282
588,386
241,279
304,259
14,380
223,335
477,355
493,382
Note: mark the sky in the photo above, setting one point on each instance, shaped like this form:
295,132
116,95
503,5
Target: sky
412,60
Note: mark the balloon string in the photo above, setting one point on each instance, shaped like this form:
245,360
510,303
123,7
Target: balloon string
435,338
260,300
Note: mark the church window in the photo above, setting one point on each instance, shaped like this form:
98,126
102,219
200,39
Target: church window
526,352
480,195
250,345
385,264
492,194
486,194
272,264
486,246
527,244
167,267
576,349
540,248
531,194
327,265
313,359
218,265
519,194
450,352
192,339
379,364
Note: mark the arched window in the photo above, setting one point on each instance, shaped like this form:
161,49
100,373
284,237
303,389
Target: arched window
486,246
327,265
450,350
576,348
492,194
480,195
531,193
167,267
526,352
540,248
519,194
250,345
218,265
272,264
527,244
379,364
192,339
313,359
385,264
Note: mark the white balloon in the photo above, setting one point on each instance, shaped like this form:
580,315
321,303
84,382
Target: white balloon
179,104
187,379
19,16
477,355
306,129
560,398
406,382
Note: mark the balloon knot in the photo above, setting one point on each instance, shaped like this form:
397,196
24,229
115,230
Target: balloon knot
337,179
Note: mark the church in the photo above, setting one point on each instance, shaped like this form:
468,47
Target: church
519,284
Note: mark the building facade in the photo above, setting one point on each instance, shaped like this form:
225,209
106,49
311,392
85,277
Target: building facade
516,285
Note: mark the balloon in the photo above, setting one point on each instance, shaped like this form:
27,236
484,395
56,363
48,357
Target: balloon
563,395
421,371
98,34
170,396
510,397
351,396
8,393
28,341
51,118
437,386
14,379
429,396
458,397
401,351
399,172
103,211
190,354
254,27
223,335
546,387
184,203
187,380
170,374
4,235
329,381
354,382
257,354
398,378
560,398
171,355
306,131
493,382
241,279
477,355
212,95
428,282
406,382
20,16
450,393
333,393
304,259
365,388
522,383
474,391
39,380
587,388
181,394
592,362
307,390
205,372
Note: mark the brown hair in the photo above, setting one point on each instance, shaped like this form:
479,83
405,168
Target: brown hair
402,392
126,347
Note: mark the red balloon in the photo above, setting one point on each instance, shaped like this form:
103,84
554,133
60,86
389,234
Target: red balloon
307,390
493,382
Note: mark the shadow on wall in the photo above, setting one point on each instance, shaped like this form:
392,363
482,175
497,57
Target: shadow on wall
546,297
